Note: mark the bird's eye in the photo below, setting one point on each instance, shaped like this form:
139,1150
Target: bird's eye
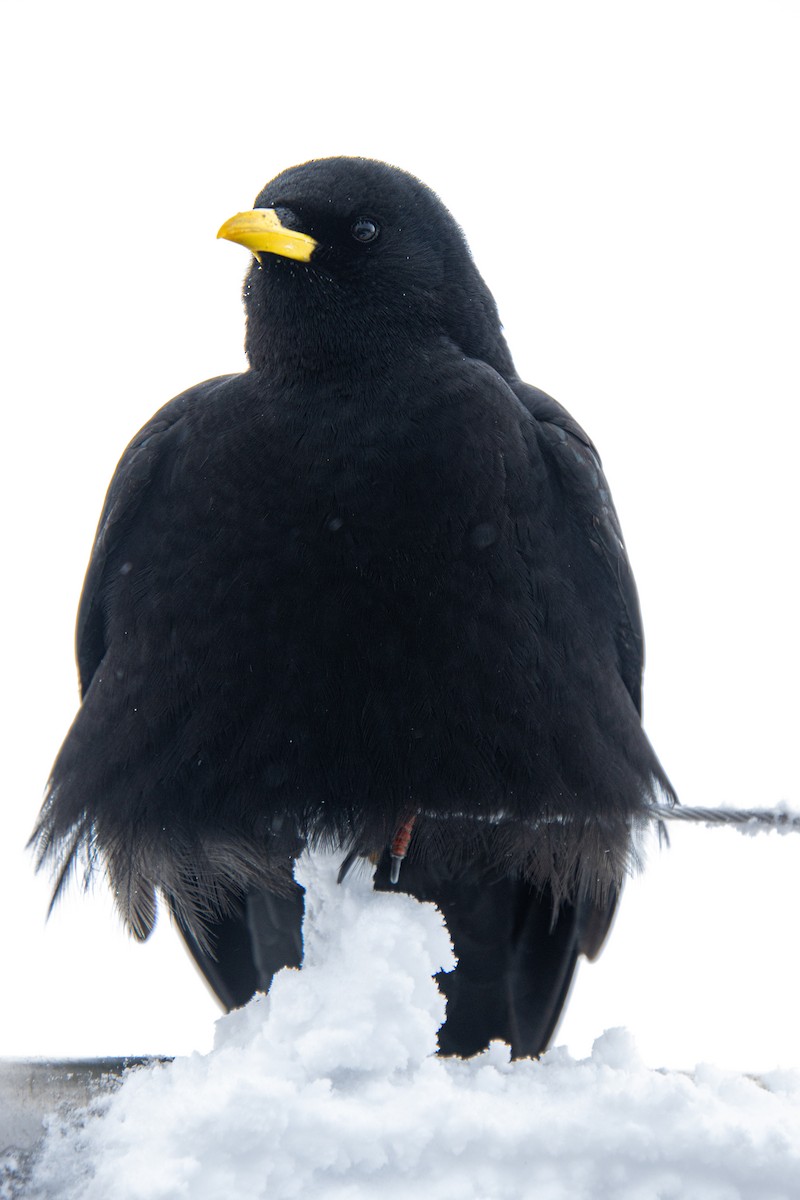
364,229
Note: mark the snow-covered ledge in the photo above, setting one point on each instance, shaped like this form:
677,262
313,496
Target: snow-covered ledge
330,1088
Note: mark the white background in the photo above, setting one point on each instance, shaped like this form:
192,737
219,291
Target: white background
627,177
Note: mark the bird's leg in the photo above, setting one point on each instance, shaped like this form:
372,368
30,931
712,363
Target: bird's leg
399,847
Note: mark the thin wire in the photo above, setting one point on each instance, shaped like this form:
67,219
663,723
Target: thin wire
748,820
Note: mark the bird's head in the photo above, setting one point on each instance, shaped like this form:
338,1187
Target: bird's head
354,261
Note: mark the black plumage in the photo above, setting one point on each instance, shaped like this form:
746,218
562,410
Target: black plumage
375,579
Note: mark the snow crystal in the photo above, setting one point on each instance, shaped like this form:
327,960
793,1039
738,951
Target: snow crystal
329,1087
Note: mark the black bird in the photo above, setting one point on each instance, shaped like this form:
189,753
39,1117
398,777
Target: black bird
370,593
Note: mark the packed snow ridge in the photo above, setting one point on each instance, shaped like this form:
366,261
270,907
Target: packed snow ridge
329,1087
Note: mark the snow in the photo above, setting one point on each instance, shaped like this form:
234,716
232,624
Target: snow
329,1087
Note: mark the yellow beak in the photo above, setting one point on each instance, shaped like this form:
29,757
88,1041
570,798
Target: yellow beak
261,230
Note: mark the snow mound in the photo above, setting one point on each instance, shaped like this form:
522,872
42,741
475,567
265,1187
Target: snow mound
329,1088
